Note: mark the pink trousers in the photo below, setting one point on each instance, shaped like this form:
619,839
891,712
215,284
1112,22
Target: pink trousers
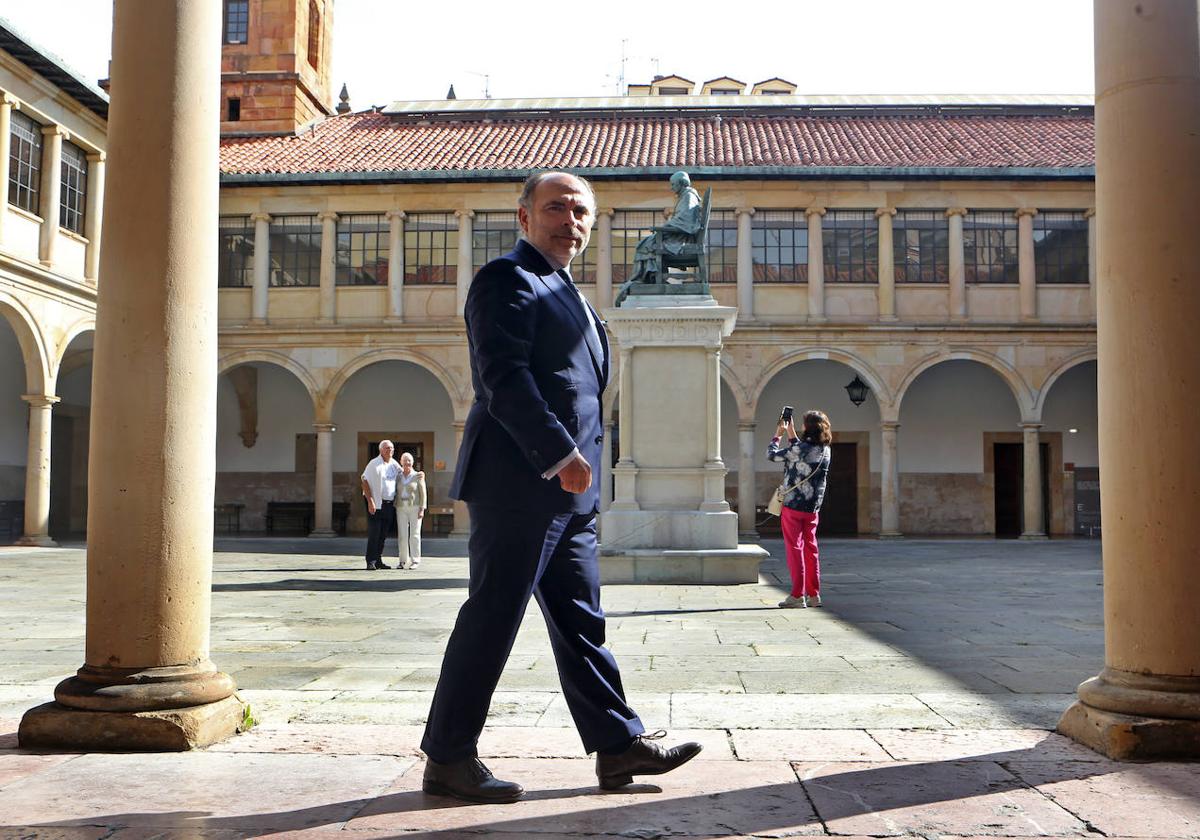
803,559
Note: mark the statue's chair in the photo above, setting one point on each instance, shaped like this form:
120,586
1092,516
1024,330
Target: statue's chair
693,254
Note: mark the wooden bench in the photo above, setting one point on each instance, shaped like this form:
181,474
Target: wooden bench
302,513
12,518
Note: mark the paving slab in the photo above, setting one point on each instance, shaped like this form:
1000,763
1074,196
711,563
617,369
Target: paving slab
761,798
784,711
1000,745
1153,800
807,745
929,799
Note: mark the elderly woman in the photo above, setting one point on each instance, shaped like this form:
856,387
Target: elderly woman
805,468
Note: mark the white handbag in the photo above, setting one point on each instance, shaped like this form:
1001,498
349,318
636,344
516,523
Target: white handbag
775,505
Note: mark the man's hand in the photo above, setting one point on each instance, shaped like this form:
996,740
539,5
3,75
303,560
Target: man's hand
421,513
370,505
576,476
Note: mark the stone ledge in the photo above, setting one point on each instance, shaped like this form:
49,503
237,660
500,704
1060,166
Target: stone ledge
1129,738
54,726
707,566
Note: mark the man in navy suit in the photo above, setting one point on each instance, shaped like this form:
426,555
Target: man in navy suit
539,364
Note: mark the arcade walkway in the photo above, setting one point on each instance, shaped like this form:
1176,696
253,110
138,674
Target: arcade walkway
919,701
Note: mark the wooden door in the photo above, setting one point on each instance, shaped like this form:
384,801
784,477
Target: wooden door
839,511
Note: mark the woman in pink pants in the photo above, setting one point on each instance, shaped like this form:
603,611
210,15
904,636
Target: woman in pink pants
805,468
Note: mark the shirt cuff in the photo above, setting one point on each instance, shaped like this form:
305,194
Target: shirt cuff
557,468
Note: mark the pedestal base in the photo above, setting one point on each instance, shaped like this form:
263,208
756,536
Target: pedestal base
1129,738
37,540
54,726
658,565
689,530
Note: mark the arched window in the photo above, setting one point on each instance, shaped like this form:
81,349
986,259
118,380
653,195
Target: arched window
314,33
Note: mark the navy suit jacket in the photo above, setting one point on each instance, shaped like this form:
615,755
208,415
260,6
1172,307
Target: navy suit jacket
538,373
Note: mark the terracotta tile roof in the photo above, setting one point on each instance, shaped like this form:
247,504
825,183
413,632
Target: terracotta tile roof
372,142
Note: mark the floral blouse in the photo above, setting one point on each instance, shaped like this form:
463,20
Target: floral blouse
801,459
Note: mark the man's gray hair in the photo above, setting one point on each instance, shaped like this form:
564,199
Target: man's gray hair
388,444
531,184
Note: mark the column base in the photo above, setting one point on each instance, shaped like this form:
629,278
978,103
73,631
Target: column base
257,322
889,319
322,533
54,726
1130,738
752,534
38,540
1034,537
891,535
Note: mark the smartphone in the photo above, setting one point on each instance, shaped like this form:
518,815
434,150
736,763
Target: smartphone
786,414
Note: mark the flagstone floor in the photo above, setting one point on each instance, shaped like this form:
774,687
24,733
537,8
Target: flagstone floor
920,701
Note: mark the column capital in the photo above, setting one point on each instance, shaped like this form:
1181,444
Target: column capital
1026,211
955,211
325,427
885,211
458,425
605,211
1030,425
1089,213
747,425
395,213
744,211
813,211
260,217
327,216
97,157
54,129
7,99
40,400
889,425
468,214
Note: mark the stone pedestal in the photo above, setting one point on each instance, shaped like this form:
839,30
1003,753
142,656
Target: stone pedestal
669,521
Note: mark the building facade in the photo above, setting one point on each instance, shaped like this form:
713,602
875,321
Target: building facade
941,252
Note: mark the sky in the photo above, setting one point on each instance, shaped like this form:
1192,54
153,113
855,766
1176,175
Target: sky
385,50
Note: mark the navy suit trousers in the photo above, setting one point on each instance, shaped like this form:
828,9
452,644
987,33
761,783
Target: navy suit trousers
516,554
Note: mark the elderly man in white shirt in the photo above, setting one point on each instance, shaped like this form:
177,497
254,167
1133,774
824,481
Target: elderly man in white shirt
379,489
410,511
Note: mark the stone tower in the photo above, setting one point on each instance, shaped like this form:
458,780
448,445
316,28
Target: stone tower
275,60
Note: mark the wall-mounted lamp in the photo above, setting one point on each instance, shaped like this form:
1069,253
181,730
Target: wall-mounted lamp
857,390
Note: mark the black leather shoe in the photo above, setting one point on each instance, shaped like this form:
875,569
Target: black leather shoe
643,758
380,566
468,779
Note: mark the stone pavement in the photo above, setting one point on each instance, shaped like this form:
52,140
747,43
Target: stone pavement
917,702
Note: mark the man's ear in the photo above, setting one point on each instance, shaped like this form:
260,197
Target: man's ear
523,218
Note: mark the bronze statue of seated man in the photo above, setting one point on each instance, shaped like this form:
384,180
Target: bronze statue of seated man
680,230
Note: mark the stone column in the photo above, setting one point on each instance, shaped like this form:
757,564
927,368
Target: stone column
625,472
462,516
323,487
747,480
1034,528
958,275
147,682
889,480
94,215
37,472
6,106
395,265
52,137
604,275
816,265
887,265
262,268
1145,704
745,263
327,312
465,258
714,466
1090,215
1026,274
606,468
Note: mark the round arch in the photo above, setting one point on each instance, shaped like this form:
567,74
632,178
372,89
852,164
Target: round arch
858,365
83,325
229,361
1016,384
443,376
33,346
1083,357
